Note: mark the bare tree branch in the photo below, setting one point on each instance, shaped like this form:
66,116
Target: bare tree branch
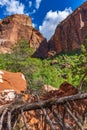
43,104
15,123
9,120
46,115
57,118
48,120
48,103
2,117
24,119
75,119
81,81
20,107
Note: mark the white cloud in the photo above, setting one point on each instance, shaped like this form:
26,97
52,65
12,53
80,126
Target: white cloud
33,12
13,7
34,25
52,19
38,2
3,2
30,4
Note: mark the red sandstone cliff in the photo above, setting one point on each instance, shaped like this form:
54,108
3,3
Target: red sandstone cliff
70,34
15,27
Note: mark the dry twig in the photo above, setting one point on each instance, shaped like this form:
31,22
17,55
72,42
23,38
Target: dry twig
9,120
81,81
24,120
48,119
75,119
2,117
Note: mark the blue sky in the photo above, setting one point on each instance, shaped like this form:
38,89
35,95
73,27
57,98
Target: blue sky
46,14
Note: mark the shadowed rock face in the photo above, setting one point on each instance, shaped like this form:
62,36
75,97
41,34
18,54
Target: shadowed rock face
69,34
15,27
42,51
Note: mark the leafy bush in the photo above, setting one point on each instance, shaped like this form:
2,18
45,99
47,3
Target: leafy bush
53,71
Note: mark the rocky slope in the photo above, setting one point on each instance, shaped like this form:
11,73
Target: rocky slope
70,34
15,27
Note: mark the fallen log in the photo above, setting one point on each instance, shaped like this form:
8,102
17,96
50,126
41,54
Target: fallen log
48,103
45,104
20,106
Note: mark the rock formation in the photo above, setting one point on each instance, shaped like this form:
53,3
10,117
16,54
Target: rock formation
70,33
68,36
47,88
15,27
10,81
42,51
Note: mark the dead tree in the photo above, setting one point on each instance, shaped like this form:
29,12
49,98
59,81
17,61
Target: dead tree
63,119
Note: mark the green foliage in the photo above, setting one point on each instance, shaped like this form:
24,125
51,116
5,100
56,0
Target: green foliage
83,58
53,71
22,50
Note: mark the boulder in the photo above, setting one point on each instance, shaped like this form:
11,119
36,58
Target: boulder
65,89
10,82
47,88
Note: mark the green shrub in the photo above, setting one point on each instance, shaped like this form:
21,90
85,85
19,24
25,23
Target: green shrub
39,72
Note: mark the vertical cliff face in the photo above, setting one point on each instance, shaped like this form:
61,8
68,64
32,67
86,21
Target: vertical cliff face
15,27
70,34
